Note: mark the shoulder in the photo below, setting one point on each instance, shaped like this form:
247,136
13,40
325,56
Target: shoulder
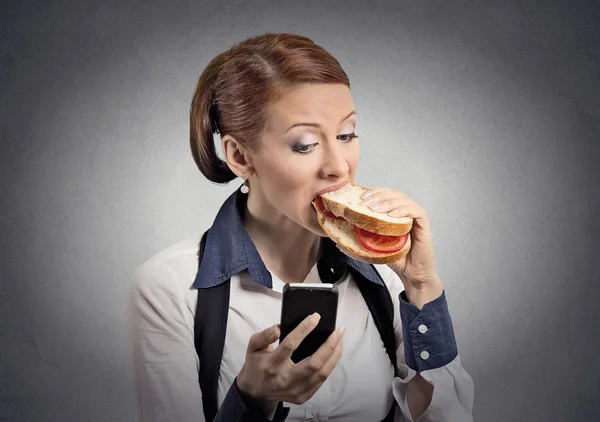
168,274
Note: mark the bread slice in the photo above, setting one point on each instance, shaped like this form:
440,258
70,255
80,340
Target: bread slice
342,233
345,202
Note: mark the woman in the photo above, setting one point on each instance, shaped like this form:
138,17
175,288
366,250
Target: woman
283,108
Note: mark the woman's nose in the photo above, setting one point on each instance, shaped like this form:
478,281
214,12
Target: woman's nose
335,162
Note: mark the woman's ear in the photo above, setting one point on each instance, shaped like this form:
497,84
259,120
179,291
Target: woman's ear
238,158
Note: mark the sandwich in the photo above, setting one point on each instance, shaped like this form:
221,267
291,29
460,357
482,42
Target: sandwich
361,233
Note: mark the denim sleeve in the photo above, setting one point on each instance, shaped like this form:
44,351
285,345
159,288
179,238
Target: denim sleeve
235,409
429,340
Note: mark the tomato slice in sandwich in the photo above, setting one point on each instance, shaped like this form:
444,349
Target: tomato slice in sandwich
380,243
329,214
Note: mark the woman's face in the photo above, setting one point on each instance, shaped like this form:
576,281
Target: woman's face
307,146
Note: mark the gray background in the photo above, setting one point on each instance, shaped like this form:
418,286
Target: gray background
486,113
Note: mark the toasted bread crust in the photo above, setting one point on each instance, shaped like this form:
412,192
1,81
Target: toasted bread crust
367,222
359,253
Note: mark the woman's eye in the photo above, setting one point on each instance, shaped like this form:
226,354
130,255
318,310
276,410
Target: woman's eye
306,148
347,137
302,148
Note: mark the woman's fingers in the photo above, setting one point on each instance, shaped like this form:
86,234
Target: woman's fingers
316,380
262,339
399,209
379,199
317,360
374,190
291,342
329,363
379,192
387,205
276,378
310,373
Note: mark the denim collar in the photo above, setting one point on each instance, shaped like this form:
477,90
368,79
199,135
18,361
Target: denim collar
230,250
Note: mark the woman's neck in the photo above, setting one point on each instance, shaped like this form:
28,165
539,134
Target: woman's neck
287,249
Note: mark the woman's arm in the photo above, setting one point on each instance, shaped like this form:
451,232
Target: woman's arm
419,390
164,357
431,386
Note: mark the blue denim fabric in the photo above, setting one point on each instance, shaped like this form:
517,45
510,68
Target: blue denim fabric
438,340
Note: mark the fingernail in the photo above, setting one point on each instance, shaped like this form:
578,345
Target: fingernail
367,201
314,319
342,331
366,194
377,207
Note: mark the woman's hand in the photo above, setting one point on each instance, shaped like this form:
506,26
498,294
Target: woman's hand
417,269
270,376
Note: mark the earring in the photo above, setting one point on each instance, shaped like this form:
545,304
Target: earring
245,188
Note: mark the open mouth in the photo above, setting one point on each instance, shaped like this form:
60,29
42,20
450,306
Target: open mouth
329,189
318,203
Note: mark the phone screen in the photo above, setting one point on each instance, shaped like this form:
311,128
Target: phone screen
301,300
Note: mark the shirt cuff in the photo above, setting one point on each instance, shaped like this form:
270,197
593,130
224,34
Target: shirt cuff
235,408
429,340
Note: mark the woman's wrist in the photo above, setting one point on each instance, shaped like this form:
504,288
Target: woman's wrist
421,293
263,406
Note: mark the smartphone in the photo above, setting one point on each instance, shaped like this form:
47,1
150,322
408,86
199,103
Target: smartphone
301,300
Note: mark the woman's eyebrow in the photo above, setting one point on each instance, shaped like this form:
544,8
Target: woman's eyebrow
353,112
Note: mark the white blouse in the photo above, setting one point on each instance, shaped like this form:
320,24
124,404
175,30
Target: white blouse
163,305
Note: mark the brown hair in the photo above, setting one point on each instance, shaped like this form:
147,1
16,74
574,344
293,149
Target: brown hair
236,87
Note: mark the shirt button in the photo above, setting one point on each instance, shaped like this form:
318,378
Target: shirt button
422,328
424,355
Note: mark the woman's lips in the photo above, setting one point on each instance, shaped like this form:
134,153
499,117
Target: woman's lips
329,189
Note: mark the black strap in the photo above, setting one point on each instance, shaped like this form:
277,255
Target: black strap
379,302
211,311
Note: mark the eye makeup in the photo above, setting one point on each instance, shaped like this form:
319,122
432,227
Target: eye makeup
301,148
